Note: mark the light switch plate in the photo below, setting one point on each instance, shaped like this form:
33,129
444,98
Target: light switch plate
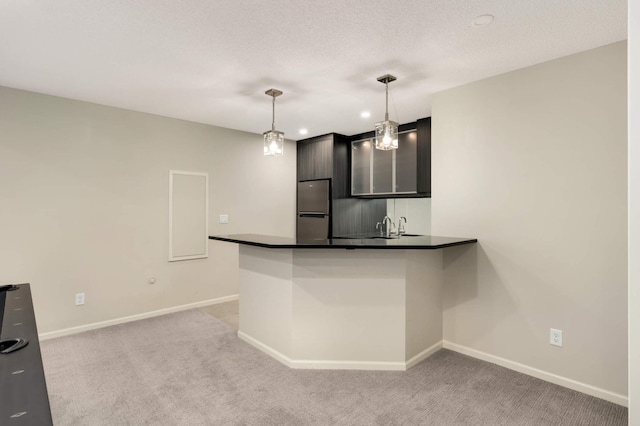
224,218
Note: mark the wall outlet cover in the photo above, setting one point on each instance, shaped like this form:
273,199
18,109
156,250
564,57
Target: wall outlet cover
555,337
79,299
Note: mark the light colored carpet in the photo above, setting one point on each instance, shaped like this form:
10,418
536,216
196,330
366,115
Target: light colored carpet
190,369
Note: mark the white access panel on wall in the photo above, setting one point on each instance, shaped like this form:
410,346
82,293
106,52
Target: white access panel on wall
188,213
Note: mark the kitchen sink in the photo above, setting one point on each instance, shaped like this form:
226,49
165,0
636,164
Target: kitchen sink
394,237
375,237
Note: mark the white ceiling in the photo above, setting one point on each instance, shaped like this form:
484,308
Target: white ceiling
210,61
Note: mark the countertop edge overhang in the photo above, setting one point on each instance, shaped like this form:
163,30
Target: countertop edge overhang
423,242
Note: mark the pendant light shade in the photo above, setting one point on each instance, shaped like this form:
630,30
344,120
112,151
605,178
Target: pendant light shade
386,131
273,139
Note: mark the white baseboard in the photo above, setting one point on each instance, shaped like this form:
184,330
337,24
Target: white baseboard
122,320
424,355
616,398
341,364
264,348
311,364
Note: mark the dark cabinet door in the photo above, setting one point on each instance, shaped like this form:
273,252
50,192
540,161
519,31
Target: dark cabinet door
313,196
315,158
382,172
361,167
312,227
406,164
424,155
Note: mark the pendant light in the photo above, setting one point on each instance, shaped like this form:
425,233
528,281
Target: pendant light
386,131
273,139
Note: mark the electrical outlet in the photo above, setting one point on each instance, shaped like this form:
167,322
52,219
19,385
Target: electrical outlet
555,337
79,299
224,218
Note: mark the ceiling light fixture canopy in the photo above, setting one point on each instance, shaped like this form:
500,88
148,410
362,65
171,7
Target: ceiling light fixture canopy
273,139
387,130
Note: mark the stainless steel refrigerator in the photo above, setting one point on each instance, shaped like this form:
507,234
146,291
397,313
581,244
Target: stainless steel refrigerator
314,210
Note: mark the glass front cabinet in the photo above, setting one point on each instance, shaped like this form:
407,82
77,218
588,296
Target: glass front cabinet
394,172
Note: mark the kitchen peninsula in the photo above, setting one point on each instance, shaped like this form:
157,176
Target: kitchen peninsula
342,303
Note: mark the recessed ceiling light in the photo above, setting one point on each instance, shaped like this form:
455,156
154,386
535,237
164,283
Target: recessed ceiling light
365,114
303,131
482,20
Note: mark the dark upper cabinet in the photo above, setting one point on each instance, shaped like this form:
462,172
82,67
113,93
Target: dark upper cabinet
325,157
403,172
423,156
315,158
377,172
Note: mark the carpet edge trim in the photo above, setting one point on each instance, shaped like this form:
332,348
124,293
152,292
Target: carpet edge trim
597,392
92,326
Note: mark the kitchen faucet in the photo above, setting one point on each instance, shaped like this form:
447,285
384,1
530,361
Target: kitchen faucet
400,227
388,226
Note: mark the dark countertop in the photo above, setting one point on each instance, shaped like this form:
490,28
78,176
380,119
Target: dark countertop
25,400
418,242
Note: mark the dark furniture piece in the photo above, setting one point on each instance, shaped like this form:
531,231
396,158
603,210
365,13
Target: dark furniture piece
23,389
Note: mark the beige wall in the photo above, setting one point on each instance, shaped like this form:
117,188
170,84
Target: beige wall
634,212
417,211
533,164
84,206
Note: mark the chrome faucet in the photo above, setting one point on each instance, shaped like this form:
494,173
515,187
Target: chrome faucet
400,227
388,226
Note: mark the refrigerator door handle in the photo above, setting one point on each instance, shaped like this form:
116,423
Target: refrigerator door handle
312,214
